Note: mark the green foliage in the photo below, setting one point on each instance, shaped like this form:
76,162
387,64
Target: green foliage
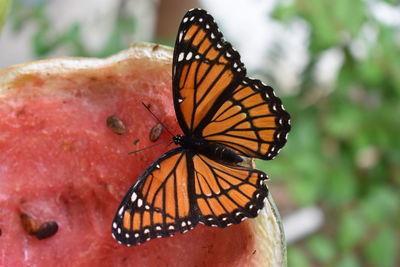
4,8
45,40
297,258
343,152
321,248
382,248
351,230
349,260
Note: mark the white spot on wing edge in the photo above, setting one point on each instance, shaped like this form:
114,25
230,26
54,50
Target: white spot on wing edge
114,225
133,197
139,203
181,56
121,210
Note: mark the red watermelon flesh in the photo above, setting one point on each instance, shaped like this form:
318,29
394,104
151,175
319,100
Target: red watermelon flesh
60,162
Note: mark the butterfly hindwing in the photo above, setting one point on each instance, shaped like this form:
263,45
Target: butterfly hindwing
158,204
205,66
251,121
227,194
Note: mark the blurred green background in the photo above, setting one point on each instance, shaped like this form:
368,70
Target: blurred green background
343,153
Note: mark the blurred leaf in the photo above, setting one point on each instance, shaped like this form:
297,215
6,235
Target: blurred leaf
296,258
382,249
341,186
370,72
349,260
351,230
381,205
330,21
346,76
305,192
4,9
284,12
390,62
344,120
391,1
348,15
321,248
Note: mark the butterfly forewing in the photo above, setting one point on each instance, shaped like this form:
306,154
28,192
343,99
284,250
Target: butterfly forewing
205,67
157,205
227,194
251,121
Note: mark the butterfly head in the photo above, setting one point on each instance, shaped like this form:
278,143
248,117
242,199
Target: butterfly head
187,142
178,139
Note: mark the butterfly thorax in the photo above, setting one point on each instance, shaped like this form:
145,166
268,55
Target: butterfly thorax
212,150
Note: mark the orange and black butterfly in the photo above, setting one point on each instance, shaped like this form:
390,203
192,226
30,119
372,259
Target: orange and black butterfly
224,116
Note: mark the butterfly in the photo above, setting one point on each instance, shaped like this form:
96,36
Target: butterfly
224,116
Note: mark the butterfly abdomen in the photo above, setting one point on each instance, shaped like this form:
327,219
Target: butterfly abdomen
211,150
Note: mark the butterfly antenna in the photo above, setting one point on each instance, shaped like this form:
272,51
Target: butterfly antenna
161,143
154,115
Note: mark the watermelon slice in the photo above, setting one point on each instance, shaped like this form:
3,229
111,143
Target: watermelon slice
62,165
